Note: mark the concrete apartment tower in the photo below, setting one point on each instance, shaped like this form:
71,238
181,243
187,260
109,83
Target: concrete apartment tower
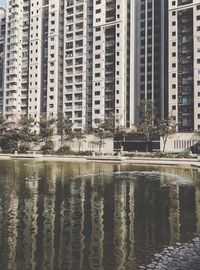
113,60
33,65
152,53
97,82
74,55
184,63
77,72
2,53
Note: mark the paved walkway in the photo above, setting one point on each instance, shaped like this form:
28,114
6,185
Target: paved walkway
122,160
183,257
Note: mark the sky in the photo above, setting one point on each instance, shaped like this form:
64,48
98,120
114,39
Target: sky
2,2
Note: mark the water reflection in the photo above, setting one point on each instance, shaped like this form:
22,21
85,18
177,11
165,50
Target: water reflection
99,220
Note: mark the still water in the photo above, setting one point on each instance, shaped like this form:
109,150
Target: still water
93,216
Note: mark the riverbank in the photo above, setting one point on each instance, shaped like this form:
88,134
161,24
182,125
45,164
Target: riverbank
111,159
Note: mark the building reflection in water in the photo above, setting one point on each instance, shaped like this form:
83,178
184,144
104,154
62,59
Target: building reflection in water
98,221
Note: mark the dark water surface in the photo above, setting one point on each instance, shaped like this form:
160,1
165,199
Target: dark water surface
91,216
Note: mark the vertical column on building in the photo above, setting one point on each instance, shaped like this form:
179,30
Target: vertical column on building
99,88
25,59
75,61
110,60
13,62
54,63
196,63
37,63
2,54
89,63
121,61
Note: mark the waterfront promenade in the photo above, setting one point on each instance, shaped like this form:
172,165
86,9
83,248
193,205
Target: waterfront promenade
185,162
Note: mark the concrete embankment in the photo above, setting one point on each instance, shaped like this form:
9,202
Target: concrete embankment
107,159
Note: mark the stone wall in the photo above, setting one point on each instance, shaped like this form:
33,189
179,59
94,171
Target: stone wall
180,142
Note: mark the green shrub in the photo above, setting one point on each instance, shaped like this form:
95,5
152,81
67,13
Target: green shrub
8,146
24,148
160,155
65,150
183,155
86,153
48,148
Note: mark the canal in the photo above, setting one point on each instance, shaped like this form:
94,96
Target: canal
64,215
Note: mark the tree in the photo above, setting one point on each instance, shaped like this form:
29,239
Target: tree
14,134
165,128
2,125
46,131
46,127
146,127
79,135
64,128
26,124
103,132
2,129
112,124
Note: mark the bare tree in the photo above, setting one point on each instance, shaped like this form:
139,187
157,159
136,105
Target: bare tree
165,128
146,127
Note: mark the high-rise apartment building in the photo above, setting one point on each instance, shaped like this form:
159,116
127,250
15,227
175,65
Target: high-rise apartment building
77,72
184,63
97,56
74,55
2,54
88,58
113,60
33,65
152,53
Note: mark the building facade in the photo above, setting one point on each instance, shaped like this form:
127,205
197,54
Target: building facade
33,64
2,54
184,63
77,72
97,50
70,56
152,53
113,60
